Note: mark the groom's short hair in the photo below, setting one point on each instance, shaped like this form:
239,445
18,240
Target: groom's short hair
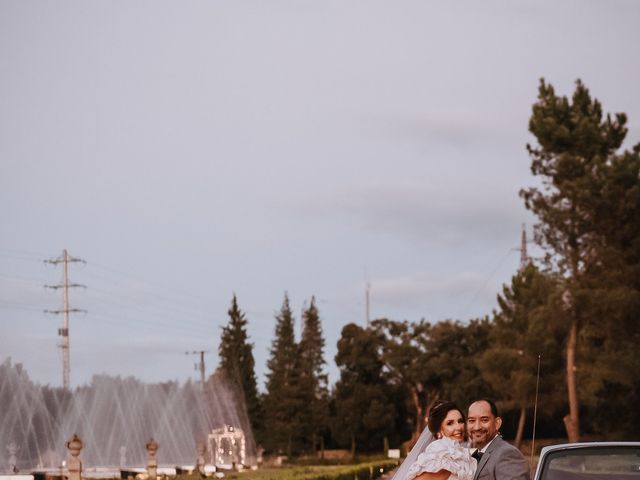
492,405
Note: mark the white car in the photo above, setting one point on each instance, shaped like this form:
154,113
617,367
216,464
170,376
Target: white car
590,461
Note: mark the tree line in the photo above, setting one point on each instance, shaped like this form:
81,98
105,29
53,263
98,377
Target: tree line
573,316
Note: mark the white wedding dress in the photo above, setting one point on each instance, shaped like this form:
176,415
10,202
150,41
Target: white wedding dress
444,454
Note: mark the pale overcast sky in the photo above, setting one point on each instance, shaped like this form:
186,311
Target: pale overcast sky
188,150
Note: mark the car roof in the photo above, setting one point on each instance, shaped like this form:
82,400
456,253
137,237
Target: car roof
571,446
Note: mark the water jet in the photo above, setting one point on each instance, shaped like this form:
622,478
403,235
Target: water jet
115,417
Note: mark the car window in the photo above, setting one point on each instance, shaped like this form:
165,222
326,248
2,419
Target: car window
592,463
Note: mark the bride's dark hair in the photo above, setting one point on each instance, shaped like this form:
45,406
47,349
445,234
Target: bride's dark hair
438,413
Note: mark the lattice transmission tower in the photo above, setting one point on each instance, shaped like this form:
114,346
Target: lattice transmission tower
524,257
65,259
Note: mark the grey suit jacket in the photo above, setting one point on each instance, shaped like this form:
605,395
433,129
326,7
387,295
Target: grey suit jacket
502,461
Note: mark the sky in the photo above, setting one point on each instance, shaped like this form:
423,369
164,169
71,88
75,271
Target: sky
191,150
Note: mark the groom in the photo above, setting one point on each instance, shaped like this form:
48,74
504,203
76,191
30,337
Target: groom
497,459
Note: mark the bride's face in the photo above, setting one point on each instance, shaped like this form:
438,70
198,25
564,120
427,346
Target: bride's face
453,426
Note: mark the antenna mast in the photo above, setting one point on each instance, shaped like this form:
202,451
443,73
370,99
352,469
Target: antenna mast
368,304
524,258
535,411
65,259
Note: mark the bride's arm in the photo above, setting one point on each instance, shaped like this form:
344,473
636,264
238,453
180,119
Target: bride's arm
440,475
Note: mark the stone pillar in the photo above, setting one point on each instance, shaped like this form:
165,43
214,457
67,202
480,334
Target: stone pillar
12,450
200,449
74,465
243,450
152,463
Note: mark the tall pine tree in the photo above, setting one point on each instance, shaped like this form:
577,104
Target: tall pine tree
313,379
576,145
522,334
615,288
237,364
282,401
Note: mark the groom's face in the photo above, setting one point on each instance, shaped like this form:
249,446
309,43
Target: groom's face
482,425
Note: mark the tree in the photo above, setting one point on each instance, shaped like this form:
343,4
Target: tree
313,379
455,348
405,356
574,151
237,363
615,287
520,335
433,362
282,401
363,402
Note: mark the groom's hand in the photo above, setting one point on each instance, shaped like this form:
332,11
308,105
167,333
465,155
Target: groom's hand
441,475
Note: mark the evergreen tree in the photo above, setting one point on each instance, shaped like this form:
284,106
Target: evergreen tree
575,149
236,364
522,331
614,279
313,379
282,401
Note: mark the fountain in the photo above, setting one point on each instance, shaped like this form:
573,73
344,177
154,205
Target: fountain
115,417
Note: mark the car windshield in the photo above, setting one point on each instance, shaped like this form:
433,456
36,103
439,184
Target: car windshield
592,463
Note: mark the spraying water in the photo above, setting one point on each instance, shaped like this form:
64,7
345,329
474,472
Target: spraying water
114,416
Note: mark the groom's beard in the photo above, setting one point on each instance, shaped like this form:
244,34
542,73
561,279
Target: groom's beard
479,437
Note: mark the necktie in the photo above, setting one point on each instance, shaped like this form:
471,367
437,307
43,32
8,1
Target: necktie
477,455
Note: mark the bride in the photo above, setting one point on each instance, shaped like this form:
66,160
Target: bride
442,458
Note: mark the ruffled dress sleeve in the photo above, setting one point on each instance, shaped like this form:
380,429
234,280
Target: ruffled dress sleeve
444,454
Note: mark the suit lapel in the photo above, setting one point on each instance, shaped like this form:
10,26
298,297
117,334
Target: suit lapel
483,461
485,456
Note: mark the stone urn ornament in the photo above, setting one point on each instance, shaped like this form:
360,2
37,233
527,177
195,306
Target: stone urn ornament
74,464
152,462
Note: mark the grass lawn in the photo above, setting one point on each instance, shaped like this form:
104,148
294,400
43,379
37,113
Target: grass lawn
360,471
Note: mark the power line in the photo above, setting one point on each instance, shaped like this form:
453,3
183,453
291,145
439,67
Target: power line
129,302
484,284
155,284
524,261
18,305
65,259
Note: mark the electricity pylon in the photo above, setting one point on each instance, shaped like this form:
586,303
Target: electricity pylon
65,259
524,258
